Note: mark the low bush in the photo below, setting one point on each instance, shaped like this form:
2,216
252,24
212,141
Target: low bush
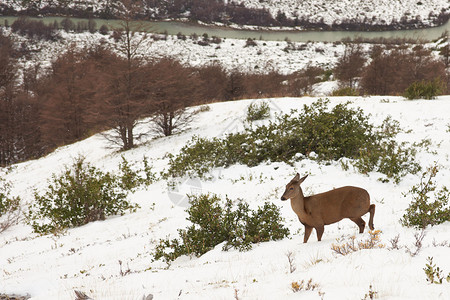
424,90
34,29
7,202
104,30
386,156
10,212
423,211
328,133
350,246
132,178
345,91
258,111
214,222
81,194
303,285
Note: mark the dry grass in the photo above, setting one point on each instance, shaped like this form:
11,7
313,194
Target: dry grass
351,245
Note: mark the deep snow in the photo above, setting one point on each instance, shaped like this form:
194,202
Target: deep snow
87,258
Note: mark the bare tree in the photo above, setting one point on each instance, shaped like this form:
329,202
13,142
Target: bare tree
124,99
235,87
12,111
214,78
173,89
301,82
391,72
69,90
379,76
350,65
264,85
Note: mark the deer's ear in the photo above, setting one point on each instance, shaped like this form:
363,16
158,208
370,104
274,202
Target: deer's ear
303,179
296,178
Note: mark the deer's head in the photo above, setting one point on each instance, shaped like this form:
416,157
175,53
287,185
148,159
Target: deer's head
293,188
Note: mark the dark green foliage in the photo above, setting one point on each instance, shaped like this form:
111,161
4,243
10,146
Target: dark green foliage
386,156
80,195
422,212
258,111
130,178
424,90
345,91
213,223
7,202
196,158
331,134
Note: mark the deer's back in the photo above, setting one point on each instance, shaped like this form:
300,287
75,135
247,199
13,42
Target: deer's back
344,202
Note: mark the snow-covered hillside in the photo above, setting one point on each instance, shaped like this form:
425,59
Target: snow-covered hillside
379,12
87,258
374,11
230,53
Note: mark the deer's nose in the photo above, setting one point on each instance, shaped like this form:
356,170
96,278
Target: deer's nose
282,198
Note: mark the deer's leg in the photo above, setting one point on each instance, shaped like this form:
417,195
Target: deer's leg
308,230
372,213
319,231
360,222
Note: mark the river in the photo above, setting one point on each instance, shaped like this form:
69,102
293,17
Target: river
188,28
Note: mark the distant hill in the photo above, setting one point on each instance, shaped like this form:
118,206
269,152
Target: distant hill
308,14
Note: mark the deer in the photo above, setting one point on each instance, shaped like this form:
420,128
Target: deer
329,207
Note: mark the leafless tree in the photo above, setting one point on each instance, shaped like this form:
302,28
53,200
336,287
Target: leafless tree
301,82
17,131
124,98
390,72
69,90
350,65
174,88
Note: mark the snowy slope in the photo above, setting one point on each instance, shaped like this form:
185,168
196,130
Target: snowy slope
87,258
230,53
375,11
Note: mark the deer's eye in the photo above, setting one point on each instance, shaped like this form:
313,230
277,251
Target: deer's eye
291,188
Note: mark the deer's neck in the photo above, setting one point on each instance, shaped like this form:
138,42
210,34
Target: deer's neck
298,206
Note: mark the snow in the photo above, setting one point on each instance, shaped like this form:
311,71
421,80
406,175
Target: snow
232,54
87,258
383,11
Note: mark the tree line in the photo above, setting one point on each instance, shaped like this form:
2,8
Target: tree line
390,70
38,30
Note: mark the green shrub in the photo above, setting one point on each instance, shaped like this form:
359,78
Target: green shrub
422,211
345,91
80,195
386,156
330,133
424,90
213,223
196,158
130,178
258,111
7,202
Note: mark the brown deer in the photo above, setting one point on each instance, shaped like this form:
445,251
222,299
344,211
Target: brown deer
330,207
